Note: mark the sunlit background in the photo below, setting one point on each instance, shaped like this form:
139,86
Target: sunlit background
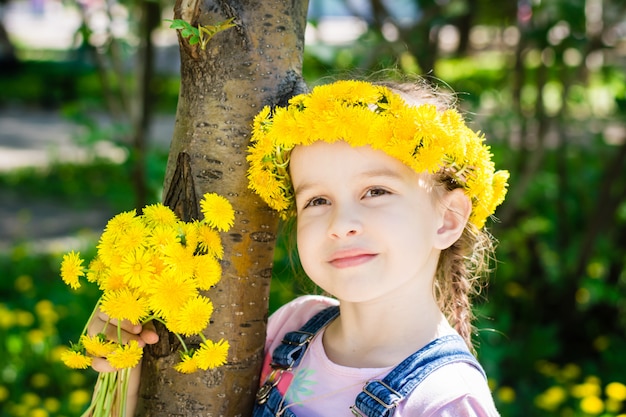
545,80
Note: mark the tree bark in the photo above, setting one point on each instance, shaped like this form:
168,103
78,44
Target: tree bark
256,63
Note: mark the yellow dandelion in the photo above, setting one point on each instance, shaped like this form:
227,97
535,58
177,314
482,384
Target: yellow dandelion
169,293
162,236
187,365
108,253
209,241
208,271
120,222
124,304
75,360
72,269
97,345
616,391
111,281
211,354
217,211
179,259
135,236
592,405
193,317
96,270
136,267
188,233
159,215
126,356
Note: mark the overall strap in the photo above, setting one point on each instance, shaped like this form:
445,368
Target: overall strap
289,353
380,397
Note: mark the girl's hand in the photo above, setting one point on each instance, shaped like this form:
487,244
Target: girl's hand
144,335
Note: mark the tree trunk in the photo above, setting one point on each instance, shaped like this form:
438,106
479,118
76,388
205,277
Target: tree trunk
256,63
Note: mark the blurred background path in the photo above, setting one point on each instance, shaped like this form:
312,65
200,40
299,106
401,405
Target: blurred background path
35,138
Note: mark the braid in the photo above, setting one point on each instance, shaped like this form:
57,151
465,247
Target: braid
459,278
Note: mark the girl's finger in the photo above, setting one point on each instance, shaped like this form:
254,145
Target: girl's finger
101,365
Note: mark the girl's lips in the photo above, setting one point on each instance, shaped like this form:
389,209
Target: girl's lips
350,258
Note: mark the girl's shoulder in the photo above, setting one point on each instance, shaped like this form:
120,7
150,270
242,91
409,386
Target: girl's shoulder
453,390
294,315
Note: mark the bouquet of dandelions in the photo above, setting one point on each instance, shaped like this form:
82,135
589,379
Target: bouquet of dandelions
150,267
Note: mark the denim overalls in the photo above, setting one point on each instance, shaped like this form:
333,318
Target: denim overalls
378,397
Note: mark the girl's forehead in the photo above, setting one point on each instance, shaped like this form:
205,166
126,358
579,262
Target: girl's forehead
342,159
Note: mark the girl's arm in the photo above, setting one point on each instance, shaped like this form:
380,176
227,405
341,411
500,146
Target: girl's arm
144,335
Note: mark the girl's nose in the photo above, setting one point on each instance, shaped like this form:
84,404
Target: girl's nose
344,223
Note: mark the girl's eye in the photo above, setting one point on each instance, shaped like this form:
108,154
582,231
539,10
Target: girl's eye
376,192
316,201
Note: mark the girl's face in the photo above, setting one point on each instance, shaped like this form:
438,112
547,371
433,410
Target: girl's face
367,225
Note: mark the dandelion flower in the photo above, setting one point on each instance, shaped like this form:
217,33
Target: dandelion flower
179,259
187,365
97,345
134,237
124,304
217,211
208,271
75,360
193,317
162,236
211,354
72,269
120,222
209,241
126,356
96,269
159,215
111,281
169,292
136,267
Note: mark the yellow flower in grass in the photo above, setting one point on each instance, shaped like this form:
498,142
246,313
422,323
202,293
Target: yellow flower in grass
169,293
72,269
211,354
187,365
217,211
616,391
193,317
208,272
124,304
97,345
126,356
159,215
137,268
75,360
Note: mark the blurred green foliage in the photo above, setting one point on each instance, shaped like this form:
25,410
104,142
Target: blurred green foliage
547,86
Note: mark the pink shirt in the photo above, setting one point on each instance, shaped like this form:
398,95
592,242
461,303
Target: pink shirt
318,385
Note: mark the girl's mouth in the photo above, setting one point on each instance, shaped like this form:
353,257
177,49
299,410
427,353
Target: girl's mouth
347,259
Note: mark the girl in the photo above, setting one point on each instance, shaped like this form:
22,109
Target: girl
390,191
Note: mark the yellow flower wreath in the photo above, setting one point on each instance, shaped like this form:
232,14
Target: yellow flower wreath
362,113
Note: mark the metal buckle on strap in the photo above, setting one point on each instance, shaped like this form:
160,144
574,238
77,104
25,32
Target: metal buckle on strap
356,411
272,379
302,342
378,400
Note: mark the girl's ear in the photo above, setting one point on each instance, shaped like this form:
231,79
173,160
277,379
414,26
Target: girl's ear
456,209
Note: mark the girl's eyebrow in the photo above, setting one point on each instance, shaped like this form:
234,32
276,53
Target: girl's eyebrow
368,174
